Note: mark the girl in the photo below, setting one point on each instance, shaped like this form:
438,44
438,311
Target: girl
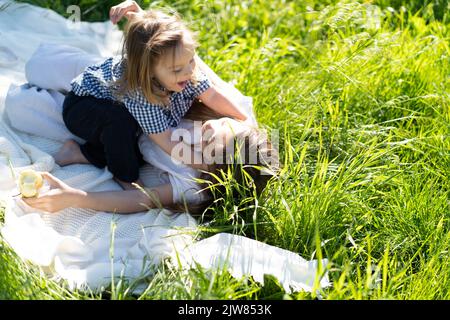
149,89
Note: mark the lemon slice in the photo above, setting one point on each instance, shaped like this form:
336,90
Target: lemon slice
29,183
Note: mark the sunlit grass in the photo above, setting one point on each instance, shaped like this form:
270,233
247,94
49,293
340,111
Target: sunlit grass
360,94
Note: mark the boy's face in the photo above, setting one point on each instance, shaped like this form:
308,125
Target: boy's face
175,68
217,135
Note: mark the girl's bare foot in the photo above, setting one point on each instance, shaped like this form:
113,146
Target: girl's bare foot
70,153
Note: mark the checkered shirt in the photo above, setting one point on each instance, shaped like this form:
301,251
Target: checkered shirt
96,81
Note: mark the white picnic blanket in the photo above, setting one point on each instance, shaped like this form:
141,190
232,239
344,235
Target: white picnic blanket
85,247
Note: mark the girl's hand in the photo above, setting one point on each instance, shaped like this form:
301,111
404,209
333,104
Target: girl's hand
59,197
126,8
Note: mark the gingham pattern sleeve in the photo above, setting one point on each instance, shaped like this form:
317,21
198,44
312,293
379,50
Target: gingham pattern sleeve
151,118
202,84
95,79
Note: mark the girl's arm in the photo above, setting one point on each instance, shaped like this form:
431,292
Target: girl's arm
127,201
126,8
217,100
62,196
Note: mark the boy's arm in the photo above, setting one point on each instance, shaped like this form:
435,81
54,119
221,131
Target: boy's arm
217,100
62,196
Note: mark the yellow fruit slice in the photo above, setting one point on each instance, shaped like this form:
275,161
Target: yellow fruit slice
29,183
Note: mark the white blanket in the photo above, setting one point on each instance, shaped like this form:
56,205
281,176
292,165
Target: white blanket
84,247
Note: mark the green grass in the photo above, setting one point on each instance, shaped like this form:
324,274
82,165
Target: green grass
360,93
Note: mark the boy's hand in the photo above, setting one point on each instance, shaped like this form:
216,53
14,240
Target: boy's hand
60,196
126,8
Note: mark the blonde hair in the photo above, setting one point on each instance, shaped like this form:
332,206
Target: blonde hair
147,37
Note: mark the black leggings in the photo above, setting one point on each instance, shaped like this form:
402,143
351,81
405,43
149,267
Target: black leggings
110,132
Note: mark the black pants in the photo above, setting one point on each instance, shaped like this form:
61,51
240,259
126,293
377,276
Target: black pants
110,132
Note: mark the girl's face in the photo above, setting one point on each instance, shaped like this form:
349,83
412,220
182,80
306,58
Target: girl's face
175,69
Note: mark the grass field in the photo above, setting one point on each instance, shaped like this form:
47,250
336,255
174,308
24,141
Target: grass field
360,91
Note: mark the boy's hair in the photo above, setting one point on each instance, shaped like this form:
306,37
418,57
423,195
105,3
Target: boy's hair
253,162
147,37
